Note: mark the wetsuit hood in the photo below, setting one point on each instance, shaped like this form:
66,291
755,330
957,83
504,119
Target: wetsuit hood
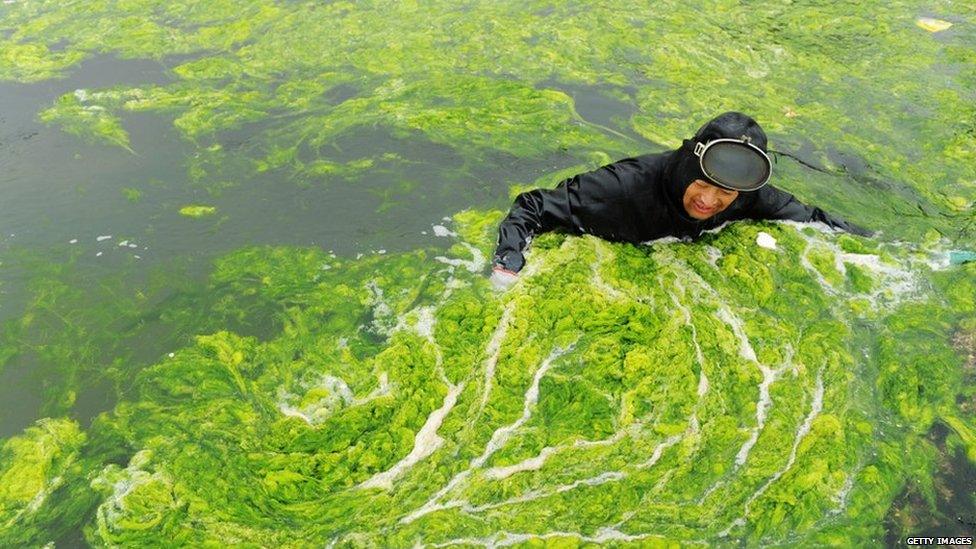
683,167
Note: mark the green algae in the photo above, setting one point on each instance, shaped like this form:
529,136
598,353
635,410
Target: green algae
32,62
92,122
196,210
614,394
488,78
39,489
621,394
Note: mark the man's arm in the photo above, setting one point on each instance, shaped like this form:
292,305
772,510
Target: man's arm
533,212
580,203
773,203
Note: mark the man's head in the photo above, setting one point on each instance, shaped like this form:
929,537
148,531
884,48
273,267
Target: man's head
703,200
732,125
717,165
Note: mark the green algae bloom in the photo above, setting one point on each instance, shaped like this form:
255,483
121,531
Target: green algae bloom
197,211
502,78
617,393
708,393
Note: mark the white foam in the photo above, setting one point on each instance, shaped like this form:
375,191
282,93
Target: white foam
493,349
501,435
339,396
425,322
498,439
536,462
383,320
714,254
745,347
474,265
815,407
531,464
602,478
425,443
603,535
596,279
658,450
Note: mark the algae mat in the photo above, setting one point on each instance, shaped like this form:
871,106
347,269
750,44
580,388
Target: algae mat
716,392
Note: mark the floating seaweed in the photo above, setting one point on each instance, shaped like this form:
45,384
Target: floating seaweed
768,384
617,393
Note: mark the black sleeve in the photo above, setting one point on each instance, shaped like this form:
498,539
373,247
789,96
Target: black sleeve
587,202
773,203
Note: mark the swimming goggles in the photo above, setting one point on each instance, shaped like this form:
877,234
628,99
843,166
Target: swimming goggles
734,164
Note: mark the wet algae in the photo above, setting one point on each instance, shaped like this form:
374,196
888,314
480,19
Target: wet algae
618,393
702,393
849,88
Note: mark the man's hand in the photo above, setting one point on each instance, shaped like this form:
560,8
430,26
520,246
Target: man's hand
503,279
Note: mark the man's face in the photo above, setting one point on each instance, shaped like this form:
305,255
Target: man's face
703,200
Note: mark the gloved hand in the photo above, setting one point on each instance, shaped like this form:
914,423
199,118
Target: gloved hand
502,279
505,269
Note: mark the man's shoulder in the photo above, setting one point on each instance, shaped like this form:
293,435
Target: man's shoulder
647,172
638,171
650,162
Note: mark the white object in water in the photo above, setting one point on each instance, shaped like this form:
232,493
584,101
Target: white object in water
103,237
766,240
73,241
441,230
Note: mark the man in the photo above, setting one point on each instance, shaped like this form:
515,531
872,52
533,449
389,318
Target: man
720,175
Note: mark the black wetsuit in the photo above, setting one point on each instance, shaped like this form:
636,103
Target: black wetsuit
636,200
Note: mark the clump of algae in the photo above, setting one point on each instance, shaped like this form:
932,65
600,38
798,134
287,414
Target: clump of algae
618,393
40,491
197,210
